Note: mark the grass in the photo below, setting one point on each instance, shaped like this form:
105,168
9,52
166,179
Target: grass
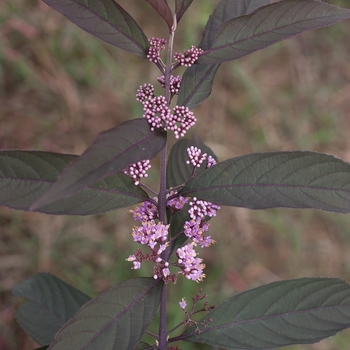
59,88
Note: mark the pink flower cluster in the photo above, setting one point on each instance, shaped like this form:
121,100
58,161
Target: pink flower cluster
157,45
189,57
175,83
197,226
155,234
191,266
183,119
201,209
138,170
176,203
152,234
196,157
210,162
147,211
158,114
145,93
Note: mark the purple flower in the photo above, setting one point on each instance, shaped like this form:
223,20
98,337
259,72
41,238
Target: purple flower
166,272
191,266
183,304
177,203
136,262
145,212
150,233
194,229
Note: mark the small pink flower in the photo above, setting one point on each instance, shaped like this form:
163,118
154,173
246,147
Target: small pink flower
189,57
210,162
146,211
196,158
138,170
177,203
191,266
157,45
182,120
145,93
175,83
183,304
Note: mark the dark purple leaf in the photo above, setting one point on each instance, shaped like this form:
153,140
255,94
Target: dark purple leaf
300,311
225,10
197,80
106,20
196,84
26,175
50,303
180,8
267,25
163,9
177,225
276,179
115,320
112,151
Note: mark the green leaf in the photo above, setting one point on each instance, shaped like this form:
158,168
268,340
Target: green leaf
26,175
163,9
178,172
114,320
106,20
112,151
276,179
267,25
197,80
180,8
51,303
301,311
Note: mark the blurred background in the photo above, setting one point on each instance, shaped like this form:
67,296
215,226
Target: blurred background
60,87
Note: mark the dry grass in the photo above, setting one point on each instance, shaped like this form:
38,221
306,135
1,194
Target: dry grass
59,88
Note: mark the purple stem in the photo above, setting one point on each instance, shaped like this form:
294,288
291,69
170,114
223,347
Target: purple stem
162,192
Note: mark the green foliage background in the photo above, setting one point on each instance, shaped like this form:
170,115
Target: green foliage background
60,87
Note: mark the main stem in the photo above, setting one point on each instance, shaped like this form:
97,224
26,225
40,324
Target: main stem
162,191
